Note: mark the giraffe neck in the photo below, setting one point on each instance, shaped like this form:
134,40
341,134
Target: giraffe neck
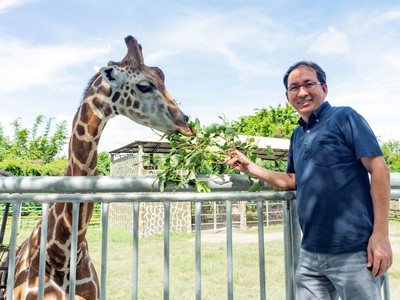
87,127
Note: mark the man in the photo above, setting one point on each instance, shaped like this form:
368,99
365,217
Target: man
343,213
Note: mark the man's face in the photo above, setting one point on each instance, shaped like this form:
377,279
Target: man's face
304,100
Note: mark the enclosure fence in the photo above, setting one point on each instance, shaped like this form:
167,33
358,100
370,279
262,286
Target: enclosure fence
137,189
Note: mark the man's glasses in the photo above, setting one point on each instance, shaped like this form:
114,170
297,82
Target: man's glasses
309,86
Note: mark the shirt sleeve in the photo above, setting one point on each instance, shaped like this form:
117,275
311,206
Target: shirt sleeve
290,164
360,137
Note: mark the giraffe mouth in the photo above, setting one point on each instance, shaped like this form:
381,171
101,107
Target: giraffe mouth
186,131
192,131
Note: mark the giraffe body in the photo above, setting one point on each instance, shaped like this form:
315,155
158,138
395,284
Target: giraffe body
128,88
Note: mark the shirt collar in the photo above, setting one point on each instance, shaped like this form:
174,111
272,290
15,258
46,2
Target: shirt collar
315,116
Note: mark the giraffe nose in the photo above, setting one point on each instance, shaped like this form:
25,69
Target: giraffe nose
188,130
128,38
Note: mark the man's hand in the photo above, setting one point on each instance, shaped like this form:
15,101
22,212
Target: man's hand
238,161
379,254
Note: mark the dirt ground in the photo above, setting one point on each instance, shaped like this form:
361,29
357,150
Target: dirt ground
238,236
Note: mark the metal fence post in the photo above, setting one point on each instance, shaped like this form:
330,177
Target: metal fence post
198,250
42,253
167,209
261,251
135,249
104,250
13,248
292,238
229,258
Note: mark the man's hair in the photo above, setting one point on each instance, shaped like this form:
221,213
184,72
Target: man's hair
309,64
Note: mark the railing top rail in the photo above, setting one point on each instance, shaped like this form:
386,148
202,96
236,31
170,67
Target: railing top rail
149,197
110,184
135,184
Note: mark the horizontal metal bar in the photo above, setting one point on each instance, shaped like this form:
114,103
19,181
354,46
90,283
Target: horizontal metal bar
395,194
395,180
134,184
148,197
109,184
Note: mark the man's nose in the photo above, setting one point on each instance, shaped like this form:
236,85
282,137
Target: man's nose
302,91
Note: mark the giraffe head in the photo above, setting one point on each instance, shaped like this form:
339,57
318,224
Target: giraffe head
138,92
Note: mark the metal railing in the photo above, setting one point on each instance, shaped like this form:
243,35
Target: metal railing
136,189
3,248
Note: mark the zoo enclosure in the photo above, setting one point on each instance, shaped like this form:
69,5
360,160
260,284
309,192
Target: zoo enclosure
139,189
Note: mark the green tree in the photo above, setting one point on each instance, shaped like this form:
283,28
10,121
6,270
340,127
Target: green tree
104,164
391,151
46,146
32,145
4,144
276,122
34,152
23,167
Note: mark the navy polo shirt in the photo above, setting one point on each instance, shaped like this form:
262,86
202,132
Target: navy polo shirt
334,202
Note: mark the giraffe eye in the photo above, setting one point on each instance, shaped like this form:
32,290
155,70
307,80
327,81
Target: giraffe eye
144,88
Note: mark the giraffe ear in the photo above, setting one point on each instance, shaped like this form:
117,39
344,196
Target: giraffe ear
113,76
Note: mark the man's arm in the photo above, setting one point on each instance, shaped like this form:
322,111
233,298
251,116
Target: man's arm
281,180
379,249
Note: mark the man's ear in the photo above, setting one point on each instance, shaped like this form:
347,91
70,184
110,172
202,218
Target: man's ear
325,89
113,76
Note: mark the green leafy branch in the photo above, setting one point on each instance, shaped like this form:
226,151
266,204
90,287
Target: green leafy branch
204,153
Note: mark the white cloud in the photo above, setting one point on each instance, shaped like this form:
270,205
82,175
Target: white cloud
25,65
391,16
372,97
5,5
236,37
331,42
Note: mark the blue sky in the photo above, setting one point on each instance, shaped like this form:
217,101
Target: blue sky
220,58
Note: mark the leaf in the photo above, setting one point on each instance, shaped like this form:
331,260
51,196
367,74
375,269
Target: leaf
213,148
269,151
255,187
174,160
202,187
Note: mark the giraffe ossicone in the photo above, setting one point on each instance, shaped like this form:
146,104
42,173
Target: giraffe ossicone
128,88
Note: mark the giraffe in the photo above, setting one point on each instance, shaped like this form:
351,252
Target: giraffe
128,88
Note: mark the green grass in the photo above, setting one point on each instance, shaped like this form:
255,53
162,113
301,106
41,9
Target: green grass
182,268
214,273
